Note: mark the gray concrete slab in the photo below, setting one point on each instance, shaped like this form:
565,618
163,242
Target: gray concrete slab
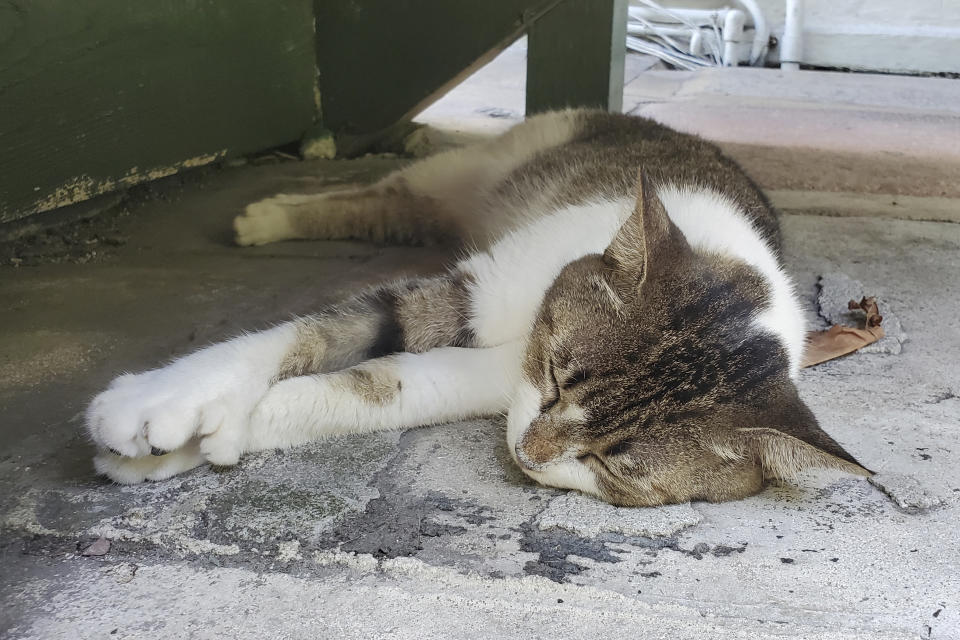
433,532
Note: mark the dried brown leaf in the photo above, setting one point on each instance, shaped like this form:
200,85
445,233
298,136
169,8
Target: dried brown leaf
839,340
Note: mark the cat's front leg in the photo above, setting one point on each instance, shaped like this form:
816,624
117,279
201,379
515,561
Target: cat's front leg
194,410
206,398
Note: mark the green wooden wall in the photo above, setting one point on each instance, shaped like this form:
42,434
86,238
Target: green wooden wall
100,94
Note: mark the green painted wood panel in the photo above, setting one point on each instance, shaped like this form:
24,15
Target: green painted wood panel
575,56
100,94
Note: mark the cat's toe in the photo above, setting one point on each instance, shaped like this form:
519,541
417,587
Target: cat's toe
223,432
114,421
127,470
222,448
170,424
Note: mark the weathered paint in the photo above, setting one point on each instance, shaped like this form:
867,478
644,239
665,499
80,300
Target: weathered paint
84,187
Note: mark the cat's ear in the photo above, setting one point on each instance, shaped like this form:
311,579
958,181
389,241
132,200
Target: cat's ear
648,242
782,456
789,438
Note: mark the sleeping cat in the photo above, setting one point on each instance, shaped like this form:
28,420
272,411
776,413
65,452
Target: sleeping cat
621,298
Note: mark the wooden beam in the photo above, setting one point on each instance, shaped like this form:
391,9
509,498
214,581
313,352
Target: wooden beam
383,62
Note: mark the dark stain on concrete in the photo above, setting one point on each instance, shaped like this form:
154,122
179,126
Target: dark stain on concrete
554,546
722,550
395,525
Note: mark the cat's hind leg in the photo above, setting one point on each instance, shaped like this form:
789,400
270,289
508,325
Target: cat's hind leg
396,392
389,212
443,199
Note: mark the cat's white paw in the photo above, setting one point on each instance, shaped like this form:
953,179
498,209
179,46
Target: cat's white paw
162,422
195,409
266,221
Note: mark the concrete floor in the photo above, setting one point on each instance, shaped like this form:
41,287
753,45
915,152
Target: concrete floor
433,533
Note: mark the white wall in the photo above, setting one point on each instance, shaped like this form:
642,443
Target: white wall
907,36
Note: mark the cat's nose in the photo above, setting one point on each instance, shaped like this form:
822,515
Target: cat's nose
524,460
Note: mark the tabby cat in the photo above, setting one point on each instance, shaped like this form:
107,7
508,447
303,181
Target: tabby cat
621,298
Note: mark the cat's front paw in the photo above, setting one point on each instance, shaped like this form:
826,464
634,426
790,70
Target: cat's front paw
175,416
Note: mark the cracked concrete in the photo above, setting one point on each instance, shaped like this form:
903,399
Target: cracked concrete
434,532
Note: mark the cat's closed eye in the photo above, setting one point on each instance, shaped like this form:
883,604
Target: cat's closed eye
549,402
618,448
575,378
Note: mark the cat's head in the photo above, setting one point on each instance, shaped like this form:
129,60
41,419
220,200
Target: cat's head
648,380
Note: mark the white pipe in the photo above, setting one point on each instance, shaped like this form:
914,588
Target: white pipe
761,32
732,35
675,58
657,30
791,48
696,43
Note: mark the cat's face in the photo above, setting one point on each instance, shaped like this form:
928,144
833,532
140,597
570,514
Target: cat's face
646,382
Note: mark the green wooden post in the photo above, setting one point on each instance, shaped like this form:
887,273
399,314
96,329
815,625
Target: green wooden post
575,56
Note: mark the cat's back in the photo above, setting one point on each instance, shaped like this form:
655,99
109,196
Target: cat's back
602,156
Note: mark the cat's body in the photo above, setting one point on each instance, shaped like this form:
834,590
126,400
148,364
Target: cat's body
640,331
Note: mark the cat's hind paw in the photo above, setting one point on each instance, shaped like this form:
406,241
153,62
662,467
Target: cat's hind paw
266,221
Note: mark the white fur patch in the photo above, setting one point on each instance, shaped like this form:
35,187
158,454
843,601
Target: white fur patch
567,475
524,407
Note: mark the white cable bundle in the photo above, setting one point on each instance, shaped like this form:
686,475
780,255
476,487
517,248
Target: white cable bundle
694,38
